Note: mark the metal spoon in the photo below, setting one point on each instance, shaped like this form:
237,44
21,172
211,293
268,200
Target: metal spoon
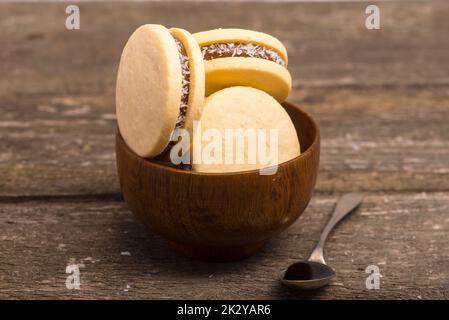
314,273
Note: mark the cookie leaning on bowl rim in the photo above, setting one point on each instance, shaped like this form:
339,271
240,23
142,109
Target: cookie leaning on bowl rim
238,57
160,87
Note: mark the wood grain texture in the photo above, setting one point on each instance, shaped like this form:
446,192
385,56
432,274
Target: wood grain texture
372,139
404,234
381,139
328,43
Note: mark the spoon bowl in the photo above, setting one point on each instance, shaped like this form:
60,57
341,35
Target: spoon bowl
307,275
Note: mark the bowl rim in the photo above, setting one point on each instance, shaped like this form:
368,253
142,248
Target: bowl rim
305,154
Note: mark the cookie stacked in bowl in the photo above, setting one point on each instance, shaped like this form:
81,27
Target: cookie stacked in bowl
207,102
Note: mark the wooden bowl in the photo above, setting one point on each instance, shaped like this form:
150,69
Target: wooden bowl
221,217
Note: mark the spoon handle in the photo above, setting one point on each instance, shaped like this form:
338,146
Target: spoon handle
347,203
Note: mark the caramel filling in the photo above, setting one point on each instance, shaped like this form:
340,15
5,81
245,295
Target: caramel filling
249,50
185,70
164,156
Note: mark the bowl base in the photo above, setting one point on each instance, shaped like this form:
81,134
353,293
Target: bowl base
217,254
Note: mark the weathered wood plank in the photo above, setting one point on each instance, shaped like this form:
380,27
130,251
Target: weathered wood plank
373,139
328,42
405,234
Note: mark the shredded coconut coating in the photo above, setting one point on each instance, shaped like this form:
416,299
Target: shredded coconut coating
223,50
184,59
164,156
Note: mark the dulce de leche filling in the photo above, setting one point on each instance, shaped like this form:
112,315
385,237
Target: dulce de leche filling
236,49
164,156
185,70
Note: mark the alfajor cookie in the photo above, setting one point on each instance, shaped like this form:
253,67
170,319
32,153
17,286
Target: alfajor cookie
237,57
243,128
160,87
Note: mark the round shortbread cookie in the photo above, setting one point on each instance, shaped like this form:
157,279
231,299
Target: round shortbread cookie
238,57
160,87
252,72
241,112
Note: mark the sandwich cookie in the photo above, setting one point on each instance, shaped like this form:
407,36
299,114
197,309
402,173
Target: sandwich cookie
237,57
160,87
239,113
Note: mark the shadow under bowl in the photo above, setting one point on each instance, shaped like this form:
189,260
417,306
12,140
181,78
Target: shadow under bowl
221,216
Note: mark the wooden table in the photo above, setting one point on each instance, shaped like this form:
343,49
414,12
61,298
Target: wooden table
381,98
